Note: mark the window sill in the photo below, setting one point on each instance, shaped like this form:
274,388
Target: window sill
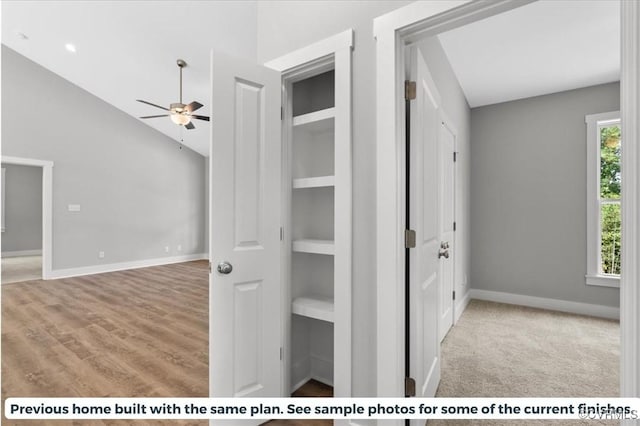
603,281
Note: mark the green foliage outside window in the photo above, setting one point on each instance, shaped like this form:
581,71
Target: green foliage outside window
610,217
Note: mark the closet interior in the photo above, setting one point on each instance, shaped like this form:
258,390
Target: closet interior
311,129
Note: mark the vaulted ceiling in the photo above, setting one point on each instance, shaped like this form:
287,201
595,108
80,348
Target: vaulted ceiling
128,50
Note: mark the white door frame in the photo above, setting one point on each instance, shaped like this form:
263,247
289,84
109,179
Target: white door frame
422,19
333,51
630,278
47,207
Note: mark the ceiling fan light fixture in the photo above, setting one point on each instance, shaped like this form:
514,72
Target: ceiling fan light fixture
180,119
179,113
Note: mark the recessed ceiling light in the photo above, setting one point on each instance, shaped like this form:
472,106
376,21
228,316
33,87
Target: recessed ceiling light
70,47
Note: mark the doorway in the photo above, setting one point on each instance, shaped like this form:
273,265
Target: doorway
21,223
307,177
29,258
393,32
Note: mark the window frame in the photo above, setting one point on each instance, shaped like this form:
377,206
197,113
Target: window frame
594,123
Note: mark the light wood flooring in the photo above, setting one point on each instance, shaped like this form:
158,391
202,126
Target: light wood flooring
21,268
312,388
134,333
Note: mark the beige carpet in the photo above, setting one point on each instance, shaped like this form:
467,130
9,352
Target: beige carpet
23,268
513,351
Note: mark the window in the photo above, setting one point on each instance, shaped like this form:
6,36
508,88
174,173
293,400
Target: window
603,199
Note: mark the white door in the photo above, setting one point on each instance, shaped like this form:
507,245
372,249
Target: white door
245,330
446,148
424,212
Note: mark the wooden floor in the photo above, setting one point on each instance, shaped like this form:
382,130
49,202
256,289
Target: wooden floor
312,388
134,333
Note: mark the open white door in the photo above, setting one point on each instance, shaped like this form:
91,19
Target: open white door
446,149
424,212
244,302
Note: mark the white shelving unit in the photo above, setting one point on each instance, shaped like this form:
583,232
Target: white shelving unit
317,218
316,307
314,182
314,246
316,121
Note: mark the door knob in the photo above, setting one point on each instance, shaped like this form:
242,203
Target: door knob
225,267
444,245
443,253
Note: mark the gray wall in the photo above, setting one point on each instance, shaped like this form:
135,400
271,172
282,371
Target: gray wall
137,190
528,195
455,106
23,208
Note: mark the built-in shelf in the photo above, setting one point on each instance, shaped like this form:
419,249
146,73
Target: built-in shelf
316,121
314,182
316,307
314,246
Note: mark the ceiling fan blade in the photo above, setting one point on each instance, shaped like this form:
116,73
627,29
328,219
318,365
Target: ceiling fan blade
193,106
200,117
155,116
189,126
149,103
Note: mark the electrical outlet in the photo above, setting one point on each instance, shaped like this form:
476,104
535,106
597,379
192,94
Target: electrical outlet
179,247
101,254
166,249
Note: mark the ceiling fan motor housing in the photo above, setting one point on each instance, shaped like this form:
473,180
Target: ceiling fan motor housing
178,108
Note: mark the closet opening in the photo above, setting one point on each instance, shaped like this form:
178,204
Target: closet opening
312,209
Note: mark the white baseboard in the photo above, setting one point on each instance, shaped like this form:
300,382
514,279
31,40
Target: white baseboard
113,267
321,369
19,253
461,305
544,303
299,384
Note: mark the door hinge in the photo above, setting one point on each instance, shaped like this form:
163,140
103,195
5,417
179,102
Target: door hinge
454,226
409,90
409,386
409,238
454,295
281,354
209,267
281,233
281,113
455,156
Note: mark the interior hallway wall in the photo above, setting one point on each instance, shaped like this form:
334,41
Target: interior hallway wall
22,209
528,195
138,192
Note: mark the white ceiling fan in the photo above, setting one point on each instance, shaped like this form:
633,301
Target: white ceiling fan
179,113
